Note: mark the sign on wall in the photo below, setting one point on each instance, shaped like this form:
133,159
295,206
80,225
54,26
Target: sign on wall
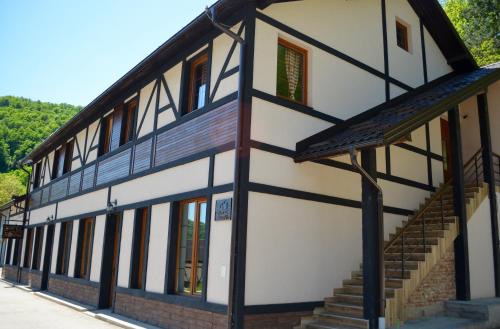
223,209
12,231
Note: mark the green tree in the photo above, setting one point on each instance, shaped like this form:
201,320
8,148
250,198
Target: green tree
478,24
12,183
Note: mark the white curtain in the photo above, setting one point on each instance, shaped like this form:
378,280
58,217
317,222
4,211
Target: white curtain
292,66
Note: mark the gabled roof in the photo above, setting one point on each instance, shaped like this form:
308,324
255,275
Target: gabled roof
390,122
430,12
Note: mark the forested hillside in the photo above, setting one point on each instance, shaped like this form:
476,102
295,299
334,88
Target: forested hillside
24,124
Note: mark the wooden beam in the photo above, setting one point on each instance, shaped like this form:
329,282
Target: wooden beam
462,275
489,177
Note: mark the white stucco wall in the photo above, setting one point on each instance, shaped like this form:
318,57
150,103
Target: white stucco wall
125,248
482,279
86,203
72,253
157,251
219,256
98,244
55,247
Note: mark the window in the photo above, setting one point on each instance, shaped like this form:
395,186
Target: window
83,249
129,112
118,128
37,250
15,257
105,135
402,35
37,170
139,249
191,247
28,248
63,158
197,84
63,248
9,251
291,80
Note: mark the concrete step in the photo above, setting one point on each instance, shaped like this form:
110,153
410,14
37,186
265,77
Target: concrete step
410,257
428,226
358,290
389,283
408,249
340,320
344,309
416,241
417,234
346,299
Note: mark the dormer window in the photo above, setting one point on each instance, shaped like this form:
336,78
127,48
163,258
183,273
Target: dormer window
291,81
197,84
402,35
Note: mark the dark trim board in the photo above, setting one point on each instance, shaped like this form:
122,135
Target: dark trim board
185,301
282,308
341,165
418,150
305,38
296,107
302,195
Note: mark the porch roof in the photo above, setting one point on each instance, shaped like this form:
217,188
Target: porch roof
389,122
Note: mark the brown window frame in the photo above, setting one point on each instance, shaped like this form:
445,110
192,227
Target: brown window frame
128,121
37,249
68,156
139,248
58,162
105,134
37,174
84,248
305,69
200,59
28,248
406,39
64,247
194,248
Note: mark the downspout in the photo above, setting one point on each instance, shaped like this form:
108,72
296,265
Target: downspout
25,216
239,138
354,160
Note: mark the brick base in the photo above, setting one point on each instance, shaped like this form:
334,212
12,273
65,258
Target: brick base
9,273
82,291
162,314
274,320
437,287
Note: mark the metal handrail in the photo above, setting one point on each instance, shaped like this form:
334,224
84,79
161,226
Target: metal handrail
435,197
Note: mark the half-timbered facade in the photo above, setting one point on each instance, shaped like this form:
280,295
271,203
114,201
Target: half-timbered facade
217,183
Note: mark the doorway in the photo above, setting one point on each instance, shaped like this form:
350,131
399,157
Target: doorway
447,150
47,257
110,260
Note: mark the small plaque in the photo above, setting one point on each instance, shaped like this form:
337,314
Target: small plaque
12,231
223,209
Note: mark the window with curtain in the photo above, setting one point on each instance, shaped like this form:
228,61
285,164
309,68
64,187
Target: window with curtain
291,80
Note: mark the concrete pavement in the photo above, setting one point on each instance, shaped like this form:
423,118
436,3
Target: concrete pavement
23,310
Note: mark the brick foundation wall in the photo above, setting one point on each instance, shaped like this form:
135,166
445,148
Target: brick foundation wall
437,287
274,320
9,273
36,280
162,314
82,291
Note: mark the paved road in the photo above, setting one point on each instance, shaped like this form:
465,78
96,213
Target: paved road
23,310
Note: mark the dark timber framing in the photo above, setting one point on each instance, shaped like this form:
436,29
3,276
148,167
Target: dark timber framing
489,177
373,244
462,275
236,302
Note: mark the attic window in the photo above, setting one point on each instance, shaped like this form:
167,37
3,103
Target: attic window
402,38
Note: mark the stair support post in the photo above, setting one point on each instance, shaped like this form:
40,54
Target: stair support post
373,240
461,244
489,177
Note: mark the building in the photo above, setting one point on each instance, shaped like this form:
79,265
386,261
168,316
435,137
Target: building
231,178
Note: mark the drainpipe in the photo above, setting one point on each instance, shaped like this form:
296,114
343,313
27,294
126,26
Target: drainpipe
353,155
25,216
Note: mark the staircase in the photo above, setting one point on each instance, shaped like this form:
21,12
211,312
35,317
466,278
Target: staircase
409,255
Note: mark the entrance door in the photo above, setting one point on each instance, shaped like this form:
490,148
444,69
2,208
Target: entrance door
110,261
447,150
47,257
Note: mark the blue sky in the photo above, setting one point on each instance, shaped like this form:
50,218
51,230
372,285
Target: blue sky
70,51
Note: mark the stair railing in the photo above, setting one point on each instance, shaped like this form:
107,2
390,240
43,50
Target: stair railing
473,174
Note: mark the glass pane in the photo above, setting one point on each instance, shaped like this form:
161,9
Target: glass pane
186,247
201,247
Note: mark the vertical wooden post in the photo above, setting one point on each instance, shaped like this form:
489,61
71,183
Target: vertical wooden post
462,275
489,177
373,243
